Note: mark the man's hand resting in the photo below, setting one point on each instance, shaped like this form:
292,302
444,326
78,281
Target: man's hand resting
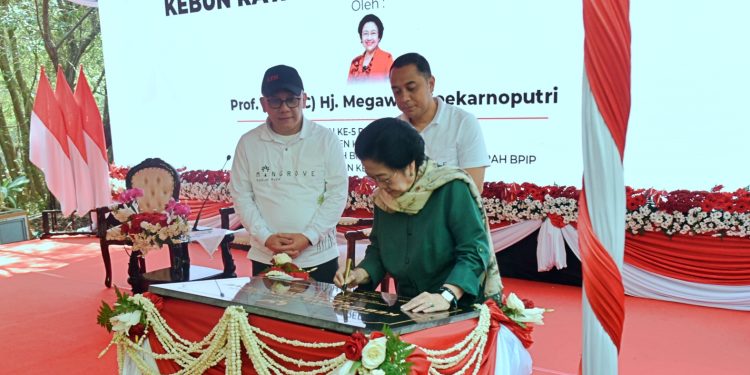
290,243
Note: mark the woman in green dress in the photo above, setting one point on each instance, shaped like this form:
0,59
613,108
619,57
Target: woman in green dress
429,231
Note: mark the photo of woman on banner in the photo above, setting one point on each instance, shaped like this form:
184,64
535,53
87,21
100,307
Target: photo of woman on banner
373,64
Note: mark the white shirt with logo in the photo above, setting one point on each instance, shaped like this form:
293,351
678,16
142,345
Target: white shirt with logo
454,138
290,185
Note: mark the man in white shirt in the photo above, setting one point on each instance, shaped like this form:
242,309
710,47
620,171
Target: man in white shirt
452,136
289,181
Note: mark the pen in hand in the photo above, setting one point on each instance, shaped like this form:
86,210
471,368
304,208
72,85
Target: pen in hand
346,274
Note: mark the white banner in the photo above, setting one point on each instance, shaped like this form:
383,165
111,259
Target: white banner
183,78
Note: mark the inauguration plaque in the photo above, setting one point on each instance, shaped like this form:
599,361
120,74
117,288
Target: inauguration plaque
311,303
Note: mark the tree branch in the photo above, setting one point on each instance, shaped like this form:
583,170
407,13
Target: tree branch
73,29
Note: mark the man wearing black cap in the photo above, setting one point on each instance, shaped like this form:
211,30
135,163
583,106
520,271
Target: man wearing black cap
289,181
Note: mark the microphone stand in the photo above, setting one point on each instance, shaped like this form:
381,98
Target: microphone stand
200,211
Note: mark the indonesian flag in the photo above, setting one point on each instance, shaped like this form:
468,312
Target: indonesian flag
93,136
48,146
76,144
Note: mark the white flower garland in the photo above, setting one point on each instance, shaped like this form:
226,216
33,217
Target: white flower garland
233,331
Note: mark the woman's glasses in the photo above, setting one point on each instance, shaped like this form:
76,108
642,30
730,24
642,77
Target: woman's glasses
291,102
385,181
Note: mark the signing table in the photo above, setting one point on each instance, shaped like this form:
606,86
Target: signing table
309,321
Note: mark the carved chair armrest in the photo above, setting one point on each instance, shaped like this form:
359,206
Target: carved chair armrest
224,213
104,221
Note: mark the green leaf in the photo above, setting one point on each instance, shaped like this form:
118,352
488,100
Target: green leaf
105,313
355,366
397,351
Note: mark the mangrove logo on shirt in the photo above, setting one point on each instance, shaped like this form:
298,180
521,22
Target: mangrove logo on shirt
267,174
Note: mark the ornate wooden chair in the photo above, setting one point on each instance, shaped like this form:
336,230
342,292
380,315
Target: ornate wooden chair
241,239
159,182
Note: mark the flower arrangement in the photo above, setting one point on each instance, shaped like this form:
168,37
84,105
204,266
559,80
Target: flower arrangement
200,183
147,230
519,202
125,316
522,311
685,212
360,190
233,335
379,354
714,213
283,268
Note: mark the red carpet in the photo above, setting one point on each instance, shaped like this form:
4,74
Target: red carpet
50,291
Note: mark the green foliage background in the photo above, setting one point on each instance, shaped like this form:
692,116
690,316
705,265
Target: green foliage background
35,33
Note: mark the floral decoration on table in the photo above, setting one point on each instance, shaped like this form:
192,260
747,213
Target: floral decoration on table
148,230
379,354
523,311
282,268
125,316
233,340
519,315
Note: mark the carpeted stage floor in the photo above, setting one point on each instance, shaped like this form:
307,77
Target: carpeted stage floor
50,291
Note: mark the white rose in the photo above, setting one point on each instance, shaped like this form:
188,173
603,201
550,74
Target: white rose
377,371
514,303
123,214
373,354
123,322
281,258
534,315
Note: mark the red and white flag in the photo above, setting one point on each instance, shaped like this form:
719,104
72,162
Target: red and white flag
96,148
76,144
48,146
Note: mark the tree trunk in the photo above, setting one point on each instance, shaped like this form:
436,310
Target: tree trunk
9,152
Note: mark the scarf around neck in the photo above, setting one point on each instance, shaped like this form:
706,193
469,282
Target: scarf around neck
431,177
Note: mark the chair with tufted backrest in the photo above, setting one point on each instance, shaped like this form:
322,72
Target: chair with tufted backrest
159,182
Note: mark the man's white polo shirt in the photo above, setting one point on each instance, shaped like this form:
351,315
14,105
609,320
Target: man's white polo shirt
454,138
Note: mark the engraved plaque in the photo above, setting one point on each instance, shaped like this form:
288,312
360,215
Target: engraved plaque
311,303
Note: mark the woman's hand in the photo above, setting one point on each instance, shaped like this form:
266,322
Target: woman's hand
427,303
356,276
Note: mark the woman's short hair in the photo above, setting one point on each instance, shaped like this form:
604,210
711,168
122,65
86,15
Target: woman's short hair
392,142
371,18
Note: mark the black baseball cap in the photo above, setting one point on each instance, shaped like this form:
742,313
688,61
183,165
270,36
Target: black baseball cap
281,77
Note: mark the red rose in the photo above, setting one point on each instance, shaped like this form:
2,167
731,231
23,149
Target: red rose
136,331
149,217
376,334
353,346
